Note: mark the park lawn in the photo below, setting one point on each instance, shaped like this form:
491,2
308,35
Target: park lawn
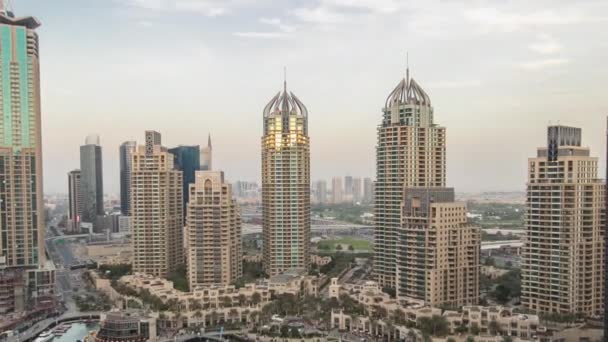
358,244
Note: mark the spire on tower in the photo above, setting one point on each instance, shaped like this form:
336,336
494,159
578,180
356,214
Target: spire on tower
209,141
4,7
285,78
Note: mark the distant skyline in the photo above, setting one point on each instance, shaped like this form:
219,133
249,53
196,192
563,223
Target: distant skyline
497,73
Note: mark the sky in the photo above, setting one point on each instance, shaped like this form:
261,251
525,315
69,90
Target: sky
497,71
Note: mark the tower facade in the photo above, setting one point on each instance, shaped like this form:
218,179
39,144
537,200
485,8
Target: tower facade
126,149
410,153
438,251
156,209
337,191
187,160
91,182
321,191
285,184
563,255
22,209
74,204
213,232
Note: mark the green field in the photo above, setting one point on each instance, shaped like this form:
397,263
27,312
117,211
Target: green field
358,244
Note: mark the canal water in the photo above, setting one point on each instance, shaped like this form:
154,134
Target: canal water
78,331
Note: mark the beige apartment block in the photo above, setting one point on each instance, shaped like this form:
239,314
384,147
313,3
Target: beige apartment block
563,255
156,209
213,231
285,184
410,153
438,258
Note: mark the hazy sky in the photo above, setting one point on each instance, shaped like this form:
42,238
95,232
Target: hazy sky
497,73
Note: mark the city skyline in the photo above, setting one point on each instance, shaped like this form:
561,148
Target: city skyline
543,70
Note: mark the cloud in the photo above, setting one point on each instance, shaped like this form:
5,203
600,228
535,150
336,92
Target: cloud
260,35
545,45
282,30
451,84
319,15
210,8
543,63
494,19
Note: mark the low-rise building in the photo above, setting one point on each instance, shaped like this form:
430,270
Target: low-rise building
127,326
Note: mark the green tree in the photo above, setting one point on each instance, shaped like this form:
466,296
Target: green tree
284,331
474,329
494,327
434,326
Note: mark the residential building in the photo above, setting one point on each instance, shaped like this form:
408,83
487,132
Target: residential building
321,191
91,182
438,251
562,261
337,191
74,203
357,190
156,209
213,232
126,149
348,188
22,210
368,190
285,184
410,153
206,157
187,160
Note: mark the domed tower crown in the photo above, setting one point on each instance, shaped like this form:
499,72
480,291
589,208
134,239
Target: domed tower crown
285,103
408,92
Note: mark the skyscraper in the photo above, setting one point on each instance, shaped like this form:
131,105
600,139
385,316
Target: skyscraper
74,204
187,160
125,151
357,190
368,190
156,211
91,182
213,232
410,153
563,255
321,191
22,256
206,158
285,184
337,192
348,188
22,209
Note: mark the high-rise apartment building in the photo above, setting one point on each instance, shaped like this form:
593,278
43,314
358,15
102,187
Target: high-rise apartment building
213,232
187,160
91,182
156,209
438,251
126,149
357,190
563,255
74,206
22,209
337,192
285,184
22,256
410,153
321,191
206,158
348,188
368,190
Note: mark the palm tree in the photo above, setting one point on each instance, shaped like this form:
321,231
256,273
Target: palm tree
411,335
256,298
